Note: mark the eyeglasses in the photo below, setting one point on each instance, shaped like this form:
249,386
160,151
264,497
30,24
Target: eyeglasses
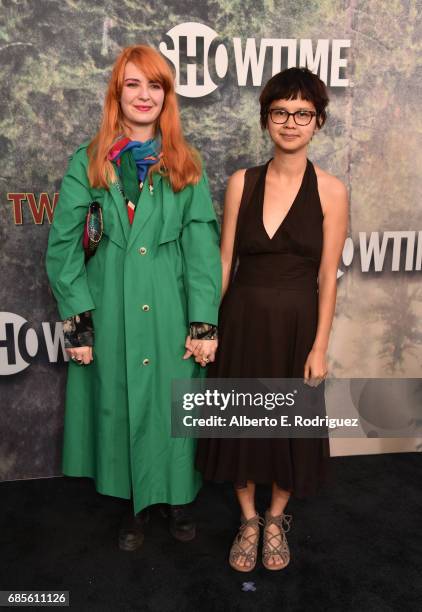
300,117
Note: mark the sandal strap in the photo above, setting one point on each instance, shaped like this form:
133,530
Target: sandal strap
276,543
283,521
256,521
246,545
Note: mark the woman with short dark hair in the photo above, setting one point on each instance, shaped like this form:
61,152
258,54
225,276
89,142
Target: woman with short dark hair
285,222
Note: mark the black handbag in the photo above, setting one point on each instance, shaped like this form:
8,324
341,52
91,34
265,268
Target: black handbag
93,229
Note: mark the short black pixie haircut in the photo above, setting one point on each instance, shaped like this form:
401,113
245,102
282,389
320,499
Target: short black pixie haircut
291,84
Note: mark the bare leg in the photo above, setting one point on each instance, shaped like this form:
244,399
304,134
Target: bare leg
246,499
279,500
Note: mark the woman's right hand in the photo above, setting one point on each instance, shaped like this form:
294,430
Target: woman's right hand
81,354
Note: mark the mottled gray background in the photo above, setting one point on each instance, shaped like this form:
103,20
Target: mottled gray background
55,60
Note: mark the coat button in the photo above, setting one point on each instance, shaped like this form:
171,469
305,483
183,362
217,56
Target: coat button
143,251
145,307
145,362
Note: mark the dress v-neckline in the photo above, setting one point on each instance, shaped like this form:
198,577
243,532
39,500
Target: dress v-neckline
291,205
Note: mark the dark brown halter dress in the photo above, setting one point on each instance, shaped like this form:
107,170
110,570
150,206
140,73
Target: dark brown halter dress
267,326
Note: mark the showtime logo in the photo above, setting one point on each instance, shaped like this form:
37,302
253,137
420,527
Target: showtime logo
197,52
20,344
405,247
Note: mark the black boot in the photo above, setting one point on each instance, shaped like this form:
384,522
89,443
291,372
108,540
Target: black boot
131,532
181,524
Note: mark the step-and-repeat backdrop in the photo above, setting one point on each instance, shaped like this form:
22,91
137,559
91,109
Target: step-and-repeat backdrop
55,60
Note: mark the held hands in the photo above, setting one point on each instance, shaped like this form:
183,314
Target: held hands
203,350
315,370
82,355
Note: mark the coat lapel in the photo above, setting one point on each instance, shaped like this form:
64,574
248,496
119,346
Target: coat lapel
121,210
172,222
145,206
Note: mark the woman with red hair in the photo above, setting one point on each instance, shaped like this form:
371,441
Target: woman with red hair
142,310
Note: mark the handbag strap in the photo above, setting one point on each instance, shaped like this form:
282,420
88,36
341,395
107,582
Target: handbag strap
251,179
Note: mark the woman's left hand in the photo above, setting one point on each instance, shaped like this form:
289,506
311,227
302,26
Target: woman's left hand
315,370
203,350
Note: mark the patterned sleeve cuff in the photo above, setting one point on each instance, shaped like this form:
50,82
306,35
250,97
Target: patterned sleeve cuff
78,331
203,331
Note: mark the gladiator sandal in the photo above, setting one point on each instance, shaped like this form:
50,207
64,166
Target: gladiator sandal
246,546
276,544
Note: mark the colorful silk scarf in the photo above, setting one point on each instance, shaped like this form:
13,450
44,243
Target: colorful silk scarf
144,154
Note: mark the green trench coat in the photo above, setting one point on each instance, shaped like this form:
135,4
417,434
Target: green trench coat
118,409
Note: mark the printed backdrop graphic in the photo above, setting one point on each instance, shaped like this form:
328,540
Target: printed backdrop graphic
55,60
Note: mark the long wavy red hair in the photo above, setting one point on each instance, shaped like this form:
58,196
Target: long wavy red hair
180,162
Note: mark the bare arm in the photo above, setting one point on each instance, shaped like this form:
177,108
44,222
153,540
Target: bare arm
228,229
334,201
